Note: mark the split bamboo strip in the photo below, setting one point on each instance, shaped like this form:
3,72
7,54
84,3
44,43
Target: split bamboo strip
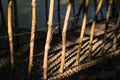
64,36
10,38
116,33
93,27
48,39
59,19
82,30
32,38
106,24
16,20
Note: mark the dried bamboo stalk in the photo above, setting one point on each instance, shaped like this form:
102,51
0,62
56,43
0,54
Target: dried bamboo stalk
32,38
64,36
59,19
10,38
48,39
93,27
106,24
82,30
116,33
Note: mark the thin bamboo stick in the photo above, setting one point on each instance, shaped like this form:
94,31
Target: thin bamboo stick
116,33
48,39
59,19
10,38
106,24
32,38
95,6
82,30
93,28
16,20
64,36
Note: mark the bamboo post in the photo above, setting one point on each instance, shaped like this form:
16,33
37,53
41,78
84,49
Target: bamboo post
59,19
10,38
16,19
116,33
46,11
93,28
32,38
106,24
82,30
48,39
64,36
95,6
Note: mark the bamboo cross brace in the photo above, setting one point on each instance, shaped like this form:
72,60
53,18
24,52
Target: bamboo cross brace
64,36
48,39
106,24
10,38
116,33
82,30
32,38
93,27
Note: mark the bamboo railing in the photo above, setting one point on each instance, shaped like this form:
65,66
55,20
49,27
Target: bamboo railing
32,38
49,23
48,39
10,33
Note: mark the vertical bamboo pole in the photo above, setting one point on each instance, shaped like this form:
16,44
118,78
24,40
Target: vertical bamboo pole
106,24
10,37
116,33
2,14
46,11
93,28
82,30
59,19
48,39
64,36
16,19
32,38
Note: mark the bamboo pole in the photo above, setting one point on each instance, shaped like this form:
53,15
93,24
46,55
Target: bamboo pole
16,20
32,38
59,19
116,33
93,28
106,24
82,30
10,38
95,6
64,36
48,39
